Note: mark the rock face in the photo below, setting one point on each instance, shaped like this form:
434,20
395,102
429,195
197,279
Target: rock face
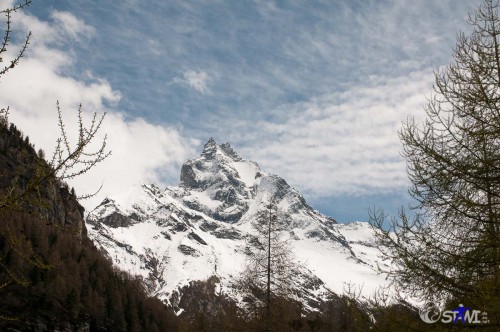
198,230
216,173
19,168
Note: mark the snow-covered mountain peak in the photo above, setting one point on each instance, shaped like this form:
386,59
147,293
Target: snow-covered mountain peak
230,189
209,149
217,163
198,229
228,150
213,151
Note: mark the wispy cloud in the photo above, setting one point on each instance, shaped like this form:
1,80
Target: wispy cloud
71,26
265,54
343,143
197,80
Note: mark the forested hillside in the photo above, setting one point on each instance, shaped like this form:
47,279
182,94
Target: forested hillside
51,275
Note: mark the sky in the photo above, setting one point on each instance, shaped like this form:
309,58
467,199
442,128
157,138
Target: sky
313,91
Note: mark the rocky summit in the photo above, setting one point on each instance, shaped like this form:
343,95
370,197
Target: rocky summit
196,231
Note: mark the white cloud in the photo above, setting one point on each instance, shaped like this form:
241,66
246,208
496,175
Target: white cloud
6,4
197,80
71,26
344,143
141,151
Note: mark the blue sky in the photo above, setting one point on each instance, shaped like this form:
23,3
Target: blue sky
314,91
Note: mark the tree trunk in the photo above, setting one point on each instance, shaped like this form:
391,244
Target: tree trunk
268,293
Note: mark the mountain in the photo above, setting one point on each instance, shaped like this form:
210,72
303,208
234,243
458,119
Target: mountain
197,230
52,277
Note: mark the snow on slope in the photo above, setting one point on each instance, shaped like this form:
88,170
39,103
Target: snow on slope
198,229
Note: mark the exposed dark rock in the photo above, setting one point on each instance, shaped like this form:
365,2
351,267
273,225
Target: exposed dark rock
316,233
209,149
187,250
197,207
188,177
227,234
20,172
228,150
208,226
197,238
201,297
227,195
179,227
230,218
162,221
116,220
135,216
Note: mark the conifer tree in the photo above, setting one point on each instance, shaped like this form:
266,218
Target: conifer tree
450,252
270,267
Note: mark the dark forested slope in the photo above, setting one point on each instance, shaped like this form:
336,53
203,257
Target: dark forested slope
51,275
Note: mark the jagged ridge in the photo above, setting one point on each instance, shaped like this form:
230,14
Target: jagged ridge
197,229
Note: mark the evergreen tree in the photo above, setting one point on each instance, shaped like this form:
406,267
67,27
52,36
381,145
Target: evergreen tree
270,268
451,250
